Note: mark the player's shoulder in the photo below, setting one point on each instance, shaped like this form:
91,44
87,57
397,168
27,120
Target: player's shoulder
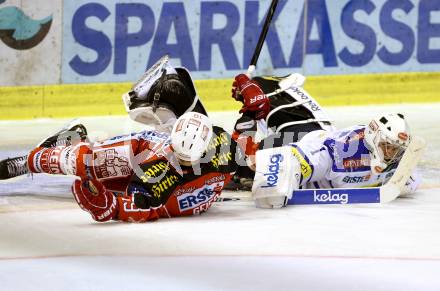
352,137
348,132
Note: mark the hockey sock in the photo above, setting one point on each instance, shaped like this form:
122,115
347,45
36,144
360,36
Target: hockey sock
49,160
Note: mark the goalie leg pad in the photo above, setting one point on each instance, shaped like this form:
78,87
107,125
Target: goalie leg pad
277,174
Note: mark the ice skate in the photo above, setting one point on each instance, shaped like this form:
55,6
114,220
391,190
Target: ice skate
13,167
72,133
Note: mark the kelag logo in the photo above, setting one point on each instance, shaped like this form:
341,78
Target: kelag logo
330,197
274,170
19,31
109,40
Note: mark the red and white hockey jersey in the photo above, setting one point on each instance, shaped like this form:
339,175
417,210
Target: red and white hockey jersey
142,167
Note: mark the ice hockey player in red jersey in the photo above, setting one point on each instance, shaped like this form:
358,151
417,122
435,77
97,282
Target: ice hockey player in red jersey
146,175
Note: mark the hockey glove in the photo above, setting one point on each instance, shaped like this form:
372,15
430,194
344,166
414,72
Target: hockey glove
92,197
255,101
235,91
142,198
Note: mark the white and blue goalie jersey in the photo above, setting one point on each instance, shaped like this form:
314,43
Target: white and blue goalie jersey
340,159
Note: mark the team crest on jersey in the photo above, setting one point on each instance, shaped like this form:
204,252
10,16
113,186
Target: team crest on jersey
111,162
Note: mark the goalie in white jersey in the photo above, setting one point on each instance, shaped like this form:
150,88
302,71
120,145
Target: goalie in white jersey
359,156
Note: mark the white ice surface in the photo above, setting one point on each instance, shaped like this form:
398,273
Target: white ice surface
48,243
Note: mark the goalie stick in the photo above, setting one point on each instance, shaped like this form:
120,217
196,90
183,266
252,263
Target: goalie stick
264,30
261,123
384,194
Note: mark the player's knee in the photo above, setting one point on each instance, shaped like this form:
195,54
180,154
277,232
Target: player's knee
80,161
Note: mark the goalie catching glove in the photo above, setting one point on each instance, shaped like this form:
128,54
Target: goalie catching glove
254,100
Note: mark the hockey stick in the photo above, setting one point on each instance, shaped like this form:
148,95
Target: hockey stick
261,123
327,196
262,37
406,166
384,194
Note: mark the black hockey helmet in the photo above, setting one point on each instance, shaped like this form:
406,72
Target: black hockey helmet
162,93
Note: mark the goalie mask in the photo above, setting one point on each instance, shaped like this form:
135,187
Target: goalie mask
161,95
387,137
190,136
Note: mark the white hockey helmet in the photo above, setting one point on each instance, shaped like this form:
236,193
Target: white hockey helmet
387,137
191,135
